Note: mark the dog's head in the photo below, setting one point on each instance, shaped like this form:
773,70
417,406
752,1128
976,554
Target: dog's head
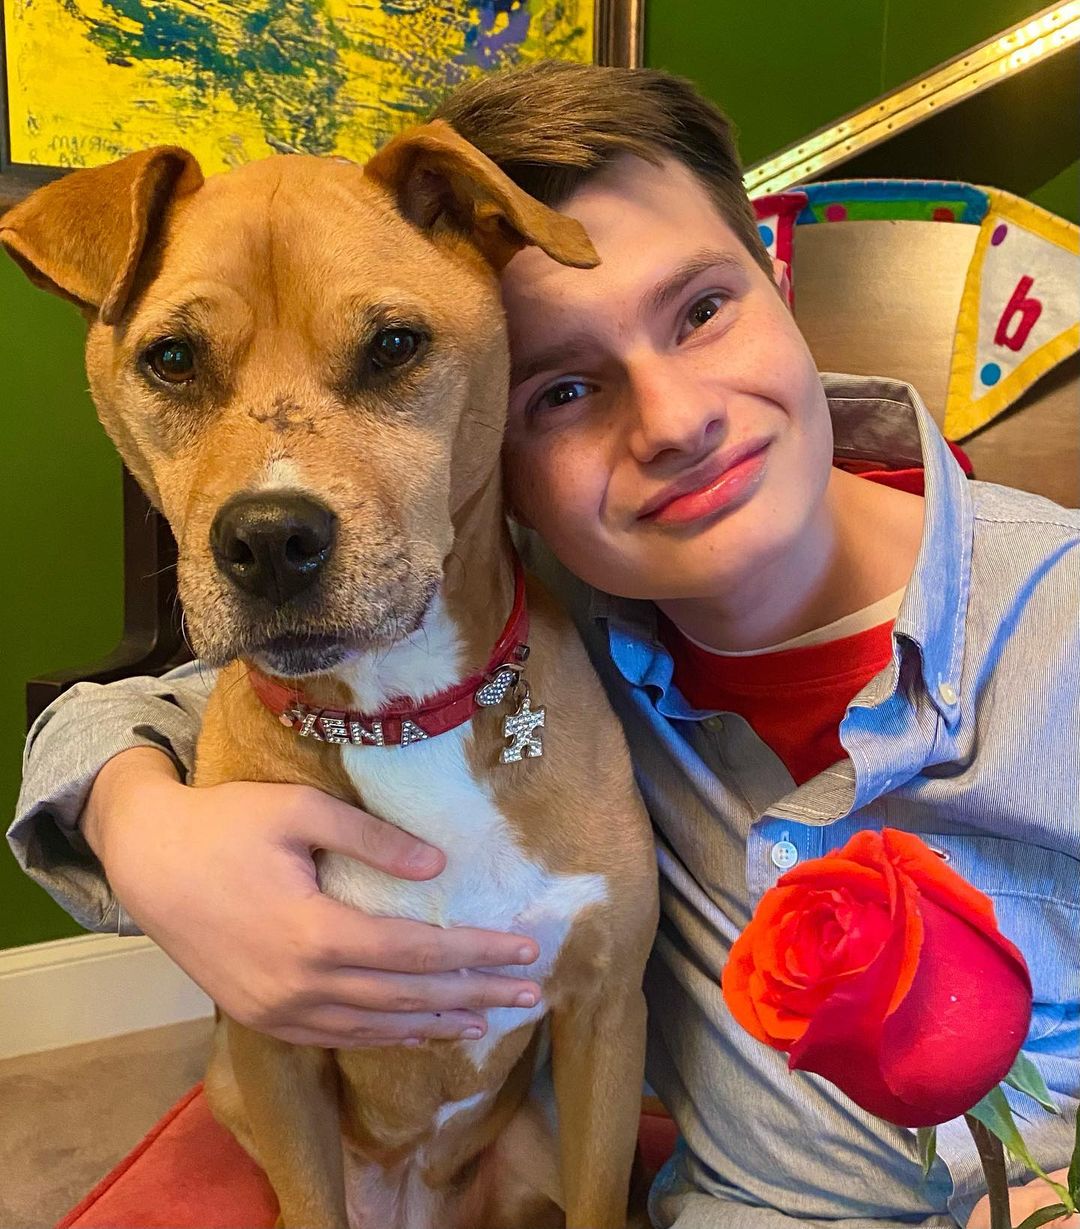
304,364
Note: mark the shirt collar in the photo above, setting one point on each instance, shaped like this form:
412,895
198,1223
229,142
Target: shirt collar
874,419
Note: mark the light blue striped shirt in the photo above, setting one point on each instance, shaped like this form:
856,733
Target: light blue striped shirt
970,738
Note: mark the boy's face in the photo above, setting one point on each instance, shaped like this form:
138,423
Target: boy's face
668,432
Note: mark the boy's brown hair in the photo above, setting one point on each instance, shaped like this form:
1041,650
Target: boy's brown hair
553,124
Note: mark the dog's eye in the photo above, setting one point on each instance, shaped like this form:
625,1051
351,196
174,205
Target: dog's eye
171,360
394,347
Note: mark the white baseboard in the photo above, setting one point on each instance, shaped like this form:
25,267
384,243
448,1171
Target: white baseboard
87,988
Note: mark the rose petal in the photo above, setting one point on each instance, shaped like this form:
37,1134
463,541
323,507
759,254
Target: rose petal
803,968
783,1025
777,903
937,880
957,1031
735,985
909,918
832,871
865,849
843,1041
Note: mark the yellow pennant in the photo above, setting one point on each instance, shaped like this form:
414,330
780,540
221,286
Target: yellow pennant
1019,313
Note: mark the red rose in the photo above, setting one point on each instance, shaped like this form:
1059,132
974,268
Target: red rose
884,971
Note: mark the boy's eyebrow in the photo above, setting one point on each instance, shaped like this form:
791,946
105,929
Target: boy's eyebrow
561,355
673,285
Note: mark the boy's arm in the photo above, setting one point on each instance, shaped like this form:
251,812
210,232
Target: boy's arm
224,880
66,748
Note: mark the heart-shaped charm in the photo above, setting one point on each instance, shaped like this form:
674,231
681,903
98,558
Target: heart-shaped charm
494,690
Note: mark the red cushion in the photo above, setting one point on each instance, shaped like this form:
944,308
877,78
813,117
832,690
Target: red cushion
656,1138
189,1173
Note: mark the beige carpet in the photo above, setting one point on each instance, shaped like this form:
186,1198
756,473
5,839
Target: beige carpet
67,1116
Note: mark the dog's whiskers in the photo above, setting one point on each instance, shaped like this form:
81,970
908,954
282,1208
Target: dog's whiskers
481,423
239,679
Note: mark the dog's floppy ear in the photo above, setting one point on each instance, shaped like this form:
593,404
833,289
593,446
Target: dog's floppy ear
437,176
83,236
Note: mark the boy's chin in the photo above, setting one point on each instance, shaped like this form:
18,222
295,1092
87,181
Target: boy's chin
709,562
664,581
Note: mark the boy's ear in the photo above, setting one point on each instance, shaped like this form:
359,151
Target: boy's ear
782,278
436,175
83,236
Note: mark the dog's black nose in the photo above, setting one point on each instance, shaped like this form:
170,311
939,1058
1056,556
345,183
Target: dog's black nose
272,546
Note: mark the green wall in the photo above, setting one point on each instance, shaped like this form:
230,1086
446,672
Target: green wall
60,563
781,70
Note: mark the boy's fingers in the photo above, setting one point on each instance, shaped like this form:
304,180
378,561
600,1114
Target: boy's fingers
351,939
350,1027
328,823
411,992
427,1025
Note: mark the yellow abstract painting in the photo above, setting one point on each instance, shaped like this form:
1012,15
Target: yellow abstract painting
91,80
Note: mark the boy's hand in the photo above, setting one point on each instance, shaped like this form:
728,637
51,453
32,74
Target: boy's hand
1023,1200
222,878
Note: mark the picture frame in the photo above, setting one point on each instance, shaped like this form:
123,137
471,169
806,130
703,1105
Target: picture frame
115,83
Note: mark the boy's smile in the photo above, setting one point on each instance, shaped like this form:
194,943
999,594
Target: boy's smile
668,433
721,482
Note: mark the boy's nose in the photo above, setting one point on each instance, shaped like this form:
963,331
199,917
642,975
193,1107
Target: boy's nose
670,413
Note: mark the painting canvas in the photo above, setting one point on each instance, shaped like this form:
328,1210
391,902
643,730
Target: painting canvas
90,80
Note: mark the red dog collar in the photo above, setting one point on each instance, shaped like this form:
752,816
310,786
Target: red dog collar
403,722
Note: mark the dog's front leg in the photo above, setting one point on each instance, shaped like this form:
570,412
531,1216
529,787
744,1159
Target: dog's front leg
290,1096
598,1056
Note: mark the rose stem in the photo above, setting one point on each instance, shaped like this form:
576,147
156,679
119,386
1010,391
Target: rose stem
992,1156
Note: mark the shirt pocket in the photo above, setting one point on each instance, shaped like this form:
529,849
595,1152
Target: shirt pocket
1036,895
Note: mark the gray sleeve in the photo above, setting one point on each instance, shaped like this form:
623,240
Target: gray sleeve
66,748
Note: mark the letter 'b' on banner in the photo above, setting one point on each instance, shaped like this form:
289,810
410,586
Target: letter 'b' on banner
1019,314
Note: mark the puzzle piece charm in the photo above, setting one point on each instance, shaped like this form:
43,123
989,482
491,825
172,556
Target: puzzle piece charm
523,727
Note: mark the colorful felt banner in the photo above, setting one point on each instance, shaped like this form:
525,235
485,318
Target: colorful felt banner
776,216
1020,312
1020,308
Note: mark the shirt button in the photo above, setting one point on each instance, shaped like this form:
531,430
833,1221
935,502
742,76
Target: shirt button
784,855
947,692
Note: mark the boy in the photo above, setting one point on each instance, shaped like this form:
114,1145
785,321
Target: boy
796,653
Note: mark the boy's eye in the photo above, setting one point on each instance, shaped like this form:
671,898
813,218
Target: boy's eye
702,312
562,394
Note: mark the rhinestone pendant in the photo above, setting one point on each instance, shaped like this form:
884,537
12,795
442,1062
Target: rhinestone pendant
494,690
523,729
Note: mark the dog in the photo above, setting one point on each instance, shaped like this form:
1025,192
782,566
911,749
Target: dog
304,363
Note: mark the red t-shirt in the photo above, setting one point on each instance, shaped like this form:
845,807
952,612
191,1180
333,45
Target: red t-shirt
794,699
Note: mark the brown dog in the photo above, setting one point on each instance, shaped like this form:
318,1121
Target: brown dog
304,363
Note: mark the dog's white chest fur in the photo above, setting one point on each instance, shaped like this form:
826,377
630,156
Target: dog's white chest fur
428,789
